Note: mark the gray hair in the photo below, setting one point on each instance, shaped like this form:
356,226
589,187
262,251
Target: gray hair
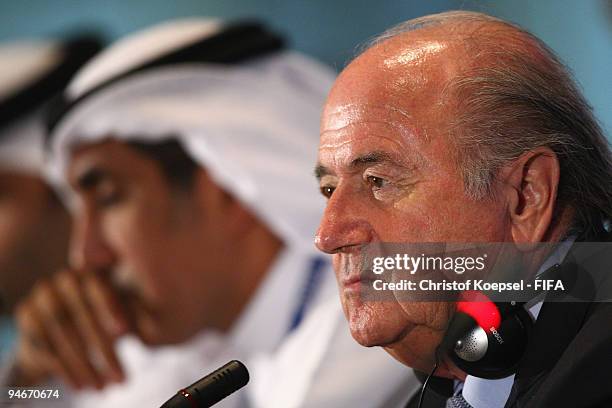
524,100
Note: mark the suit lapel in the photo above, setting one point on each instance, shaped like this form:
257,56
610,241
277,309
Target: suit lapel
560,320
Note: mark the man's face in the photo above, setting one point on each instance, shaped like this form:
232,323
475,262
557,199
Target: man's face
159,247
33,234
389,171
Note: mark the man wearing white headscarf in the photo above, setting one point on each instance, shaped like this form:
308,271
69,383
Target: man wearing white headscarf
31,73
189,148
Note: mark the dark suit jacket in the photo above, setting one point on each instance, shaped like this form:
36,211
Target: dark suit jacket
568,361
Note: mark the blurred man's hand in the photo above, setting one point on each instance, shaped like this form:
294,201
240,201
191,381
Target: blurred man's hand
67,328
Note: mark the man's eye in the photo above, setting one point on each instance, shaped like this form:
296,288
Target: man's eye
327,191
107,199
376,181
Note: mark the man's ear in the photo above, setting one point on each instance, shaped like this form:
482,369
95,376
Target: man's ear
214,200
531,184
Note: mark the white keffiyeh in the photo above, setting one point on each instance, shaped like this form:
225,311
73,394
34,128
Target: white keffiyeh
253,126
22,141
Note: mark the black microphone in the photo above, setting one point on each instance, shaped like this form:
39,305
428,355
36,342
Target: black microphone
211,389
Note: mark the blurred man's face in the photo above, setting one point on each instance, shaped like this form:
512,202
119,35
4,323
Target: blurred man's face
388,170
161,248
33,234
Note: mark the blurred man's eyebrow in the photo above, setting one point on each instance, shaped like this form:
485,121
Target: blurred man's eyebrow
91,178
368,158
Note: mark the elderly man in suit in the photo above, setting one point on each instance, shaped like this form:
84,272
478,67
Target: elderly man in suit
460,127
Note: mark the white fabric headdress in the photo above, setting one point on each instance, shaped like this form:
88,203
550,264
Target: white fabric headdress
22,141
253,126
32,72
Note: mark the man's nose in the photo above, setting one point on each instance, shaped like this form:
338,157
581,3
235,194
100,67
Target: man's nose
88,248
344,225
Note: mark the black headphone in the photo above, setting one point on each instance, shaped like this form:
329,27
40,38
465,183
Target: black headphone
235,43
487,339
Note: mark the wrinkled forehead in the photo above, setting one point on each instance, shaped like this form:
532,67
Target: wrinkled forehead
397,84
407,71
392,98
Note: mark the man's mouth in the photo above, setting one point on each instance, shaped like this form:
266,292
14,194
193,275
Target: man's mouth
354,278
356,283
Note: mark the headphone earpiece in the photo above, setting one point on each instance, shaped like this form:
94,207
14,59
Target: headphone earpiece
487,339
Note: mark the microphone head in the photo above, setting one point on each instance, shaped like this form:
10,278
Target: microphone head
212,388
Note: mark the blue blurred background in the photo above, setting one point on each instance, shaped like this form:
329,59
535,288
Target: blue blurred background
579,31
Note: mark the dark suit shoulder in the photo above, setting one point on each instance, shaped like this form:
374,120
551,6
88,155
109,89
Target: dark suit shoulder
582,375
